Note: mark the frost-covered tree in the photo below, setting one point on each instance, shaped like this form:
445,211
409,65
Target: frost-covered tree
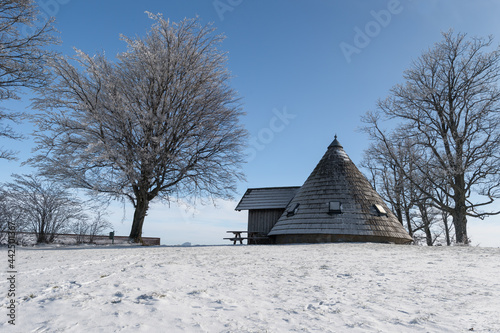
10,218
43,207
22,57
449,106
159,122
390,181
88,227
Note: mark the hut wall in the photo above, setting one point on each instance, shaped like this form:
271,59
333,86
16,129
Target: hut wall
263,220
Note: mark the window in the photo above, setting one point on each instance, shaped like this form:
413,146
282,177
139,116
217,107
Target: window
380,210
293,211
334,207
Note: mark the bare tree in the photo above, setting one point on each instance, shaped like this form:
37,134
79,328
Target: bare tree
22,57
46,209
10,219
90,227
160,122
426,221
390,181
4,215
413,209
449,107
80,228
97,225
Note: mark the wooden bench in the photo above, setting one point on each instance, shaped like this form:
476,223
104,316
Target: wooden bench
235,239
252,235
236,236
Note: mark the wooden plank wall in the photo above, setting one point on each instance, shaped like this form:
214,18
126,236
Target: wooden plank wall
263,220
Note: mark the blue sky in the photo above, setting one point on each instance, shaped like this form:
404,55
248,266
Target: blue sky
299,85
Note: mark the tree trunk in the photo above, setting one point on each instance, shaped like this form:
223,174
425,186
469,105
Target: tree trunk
427,224
41,237
428,234
399,213
459,213
460,223
408,221
141,209
446,228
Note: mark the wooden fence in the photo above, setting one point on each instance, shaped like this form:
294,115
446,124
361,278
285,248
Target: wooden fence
30,238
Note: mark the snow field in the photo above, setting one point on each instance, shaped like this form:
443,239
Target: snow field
291,288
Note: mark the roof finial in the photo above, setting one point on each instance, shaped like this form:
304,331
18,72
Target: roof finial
335,143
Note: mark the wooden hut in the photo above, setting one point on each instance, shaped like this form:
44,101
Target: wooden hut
265,206
337,204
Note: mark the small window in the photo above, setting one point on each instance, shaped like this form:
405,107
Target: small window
380,210
334,207
293,211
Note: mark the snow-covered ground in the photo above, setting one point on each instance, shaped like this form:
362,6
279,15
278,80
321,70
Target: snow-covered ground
291,288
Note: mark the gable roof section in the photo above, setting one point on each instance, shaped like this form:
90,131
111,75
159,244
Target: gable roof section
267,198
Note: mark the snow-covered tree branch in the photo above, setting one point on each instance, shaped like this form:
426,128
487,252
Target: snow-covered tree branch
22,58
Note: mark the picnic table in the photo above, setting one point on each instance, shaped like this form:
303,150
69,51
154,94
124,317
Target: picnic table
251,235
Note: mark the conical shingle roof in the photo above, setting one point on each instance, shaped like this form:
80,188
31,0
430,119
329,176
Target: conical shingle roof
335,204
